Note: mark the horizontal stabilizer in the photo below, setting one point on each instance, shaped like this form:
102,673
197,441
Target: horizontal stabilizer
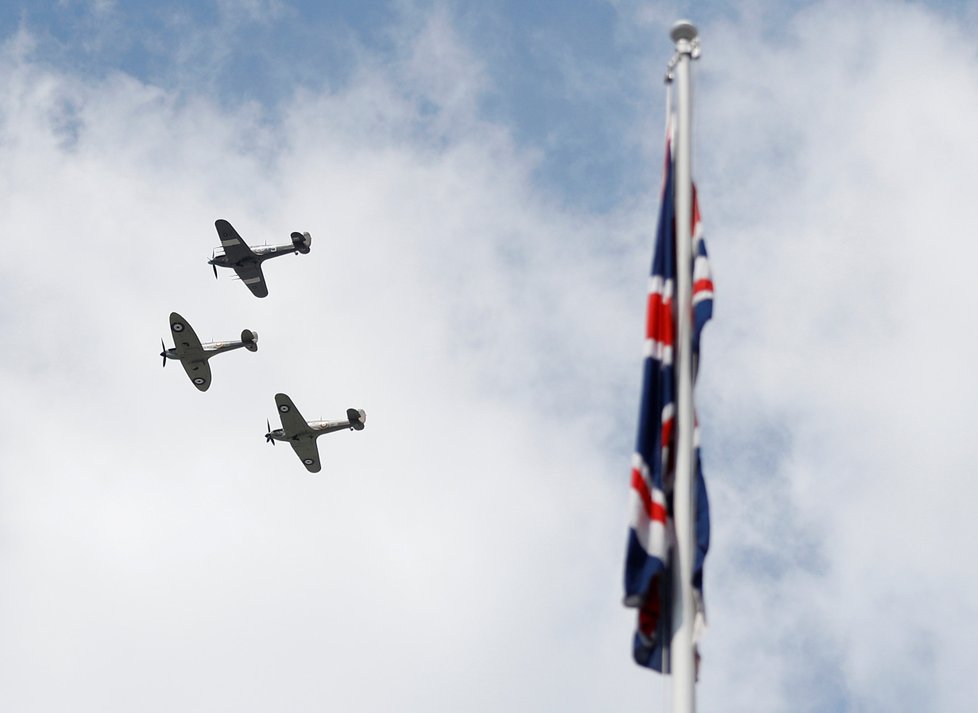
356,418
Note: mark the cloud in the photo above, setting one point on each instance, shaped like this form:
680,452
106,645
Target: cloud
163,555
466,547
845,314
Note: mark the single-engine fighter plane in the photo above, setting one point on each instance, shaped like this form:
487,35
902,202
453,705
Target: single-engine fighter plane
246,262
194,355
302,434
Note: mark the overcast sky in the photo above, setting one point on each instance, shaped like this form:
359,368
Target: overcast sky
480,181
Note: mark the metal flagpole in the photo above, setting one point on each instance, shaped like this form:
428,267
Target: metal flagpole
682,656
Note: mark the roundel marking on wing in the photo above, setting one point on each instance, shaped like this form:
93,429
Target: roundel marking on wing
199,380
284,408
308,461
177,327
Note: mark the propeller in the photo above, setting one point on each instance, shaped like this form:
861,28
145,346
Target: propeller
163,353
213,266
268,434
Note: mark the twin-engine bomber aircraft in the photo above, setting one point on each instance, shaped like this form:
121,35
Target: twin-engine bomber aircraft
194,355
302,434
246,262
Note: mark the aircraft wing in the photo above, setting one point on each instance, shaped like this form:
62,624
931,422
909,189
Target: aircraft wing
252,276
199,373
234,247
184,338
305,447
292,421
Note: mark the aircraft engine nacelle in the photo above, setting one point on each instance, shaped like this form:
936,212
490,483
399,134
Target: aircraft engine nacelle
250,340
301,242
356,417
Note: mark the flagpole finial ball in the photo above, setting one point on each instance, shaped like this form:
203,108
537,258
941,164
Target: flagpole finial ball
683,30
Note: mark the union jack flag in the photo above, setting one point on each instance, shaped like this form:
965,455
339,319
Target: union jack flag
648,571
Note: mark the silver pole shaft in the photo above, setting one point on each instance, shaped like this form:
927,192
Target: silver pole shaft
682,663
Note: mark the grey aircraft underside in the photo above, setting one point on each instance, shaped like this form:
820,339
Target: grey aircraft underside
193,355
246,261
302,434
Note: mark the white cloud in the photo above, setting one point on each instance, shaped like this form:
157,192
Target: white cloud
237,11
465,549
844,293
163,556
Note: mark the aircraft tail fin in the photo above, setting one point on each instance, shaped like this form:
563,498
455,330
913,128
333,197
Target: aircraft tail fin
356,418
302,242
250,340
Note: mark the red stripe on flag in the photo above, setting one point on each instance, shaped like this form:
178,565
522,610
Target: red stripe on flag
701,285
654,510
659,325
667,432
650,611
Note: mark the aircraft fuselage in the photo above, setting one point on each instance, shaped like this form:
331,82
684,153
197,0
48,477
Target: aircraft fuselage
318,428
209,350
261,253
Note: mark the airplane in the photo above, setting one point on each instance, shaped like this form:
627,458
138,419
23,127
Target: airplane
302,434
193,355
246,262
